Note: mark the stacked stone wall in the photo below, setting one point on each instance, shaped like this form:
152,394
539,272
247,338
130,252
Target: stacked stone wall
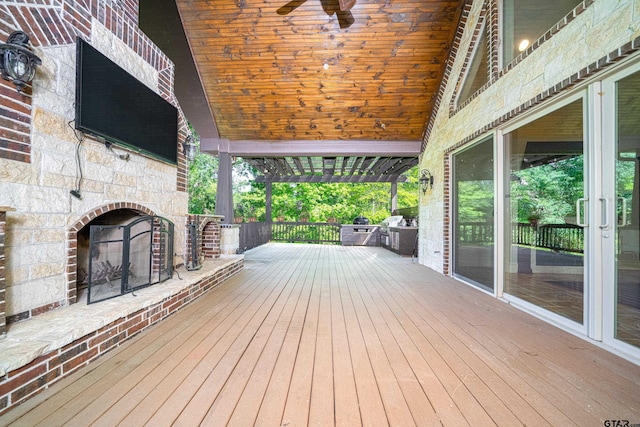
43,158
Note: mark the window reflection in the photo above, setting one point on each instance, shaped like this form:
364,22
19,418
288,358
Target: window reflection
545,257
473,214
524,21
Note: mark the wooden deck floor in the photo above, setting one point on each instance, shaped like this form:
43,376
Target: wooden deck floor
329,335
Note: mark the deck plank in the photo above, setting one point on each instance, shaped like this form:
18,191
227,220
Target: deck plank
257,363
264,399
201,387
383,345
573,409
322,404
347,410
141,402
120,398
435,323
362,336
326,335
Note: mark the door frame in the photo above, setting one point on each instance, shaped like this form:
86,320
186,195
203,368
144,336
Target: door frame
608,195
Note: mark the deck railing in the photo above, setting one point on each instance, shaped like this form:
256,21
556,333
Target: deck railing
253,234
307,232
559,237
475,232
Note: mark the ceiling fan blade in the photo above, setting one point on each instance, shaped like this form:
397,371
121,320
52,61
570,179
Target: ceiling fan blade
345,18
290,7
346,5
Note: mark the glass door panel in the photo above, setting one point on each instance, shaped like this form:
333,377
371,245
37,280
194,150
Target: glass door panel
627,206
545,245
473,213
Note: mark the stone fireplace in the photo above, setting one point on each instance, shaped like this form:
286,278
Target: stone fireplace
56,180
55,183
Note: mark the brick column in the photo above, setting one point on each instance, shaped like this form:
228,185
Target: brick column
3,311
211,240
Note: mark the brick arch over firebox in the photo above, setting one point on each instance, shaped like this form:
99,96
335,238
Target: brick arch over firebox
72,240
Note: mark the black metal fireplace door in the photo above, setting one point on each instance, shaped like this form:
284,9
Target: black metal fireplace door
124,258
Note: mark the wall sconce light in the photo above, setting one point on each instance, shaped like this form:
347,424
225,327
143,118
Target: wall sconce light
189,148
17,62
426,180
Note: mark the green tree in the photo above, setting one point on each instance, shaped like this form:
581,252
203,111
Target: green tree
316,201
203,172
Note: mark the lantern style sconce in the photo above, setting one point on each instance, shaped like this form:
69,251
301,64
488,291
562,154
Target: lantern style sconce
190,148
17,62
426,180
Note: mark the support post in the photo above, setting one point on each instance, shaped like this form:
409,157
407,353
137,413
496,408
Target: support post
268,216
224,195
394,196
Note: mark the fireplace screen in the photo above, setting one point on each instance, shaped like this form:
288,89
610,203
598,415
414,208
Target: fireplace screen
124,258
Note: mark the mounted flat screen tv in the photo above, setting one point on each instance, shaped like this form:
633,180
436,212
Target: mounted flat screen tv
114,105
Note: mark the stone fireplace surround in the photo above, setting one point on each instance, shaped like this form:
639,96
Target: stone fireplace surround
41,350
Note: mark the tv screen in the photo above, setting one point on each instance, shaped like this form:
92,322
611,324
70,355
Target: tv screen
114,105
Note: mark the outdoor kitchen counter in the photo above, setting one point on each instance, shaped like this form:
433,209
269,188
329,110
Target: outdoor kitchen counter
360,235
401,240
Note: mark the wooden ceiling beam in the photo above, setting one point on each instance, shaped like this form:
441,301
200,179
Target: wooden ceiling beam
328,165
345,160
387,166
311,168
404,165
379,164
312,148
356,163
290,170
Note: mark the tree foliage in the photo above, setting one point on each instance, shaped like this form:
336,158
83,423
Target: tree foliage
203,172
548,193
317,202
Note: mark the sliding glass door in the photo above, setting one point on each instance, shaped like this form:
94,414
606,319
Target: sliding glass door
545,212
621,202
567,243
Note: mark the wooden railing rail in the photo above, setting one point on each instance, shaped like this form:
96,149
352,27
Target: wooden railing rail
253,234
561,237
307,232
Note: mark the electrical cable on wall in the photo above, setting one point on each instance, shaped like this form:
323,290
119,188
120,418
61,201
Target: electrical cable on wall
79,175
124,156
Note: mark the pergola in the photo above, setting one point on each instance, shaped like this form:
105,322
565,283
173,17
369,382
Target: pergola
311,161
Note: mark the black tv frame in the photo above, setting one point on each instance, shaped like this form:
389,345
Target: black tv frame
113,105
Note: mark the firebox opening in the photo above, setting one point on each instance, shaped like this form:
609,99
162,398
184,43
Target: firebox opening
122,251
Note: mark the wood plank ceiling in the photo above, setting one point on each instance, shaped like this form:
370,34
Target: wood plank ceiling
304,72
